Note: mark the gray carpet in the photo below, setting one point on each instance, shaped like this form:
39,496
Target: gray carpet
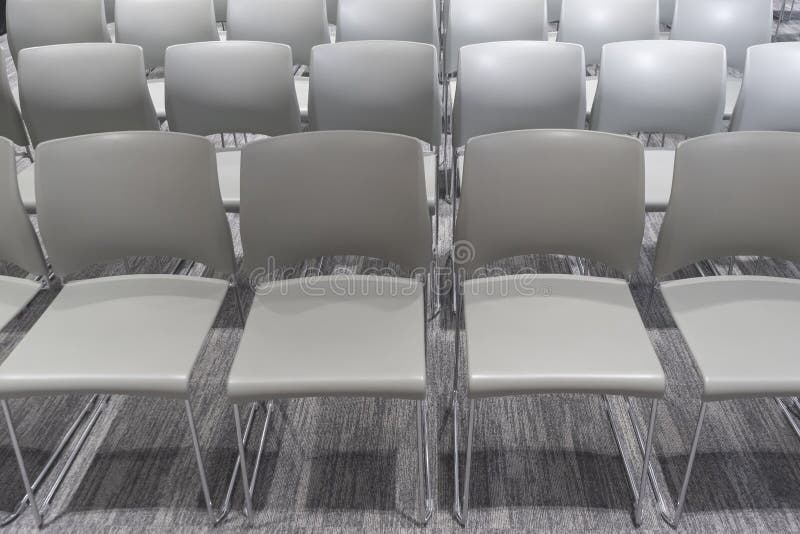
541,464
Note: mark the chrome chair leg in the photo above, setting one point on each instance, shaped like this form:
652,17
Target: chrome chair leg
461,504
637,510
248,501
261,442
424,493
226,508
682,497
21,464
200,467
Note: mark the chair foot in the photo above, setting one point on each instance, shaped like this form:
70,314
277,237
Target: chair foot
424,485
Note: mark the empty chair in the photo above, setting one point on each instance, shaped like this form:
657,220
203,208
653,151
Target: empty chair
771,80
735,24
305,196
156,25
46,22
388,20
98,87
104,197
234,86
537,192
301,24
11,125
670,87
592,24
734,195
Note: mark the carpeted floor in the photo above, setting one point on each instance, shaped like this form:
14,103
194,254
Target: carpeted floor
540,464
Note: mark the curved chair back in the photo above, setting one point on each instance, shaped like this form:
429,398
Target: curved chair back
156,25
18,242
666,9
735,24
771,82
233,86
362,193
733,194
548,89
11,126
47,22
553,10
673,87
552,192
301,24
592,24
388,20
98,87
381,86
478,21
106,196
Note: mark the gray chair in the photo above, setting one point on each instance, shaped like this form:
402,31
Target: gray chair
673,87
766,101
98,87
155,25
734,195
301,24
11,125
537,192
593,24
735,24
362,193
388,20
233,86
47,22
107,196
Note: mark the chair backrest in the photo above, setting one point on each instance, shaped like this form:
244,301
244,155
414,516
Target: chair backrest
221,10
103,197
479,21
389,20
233,86
733,194
675,87
334,193
97,87
381,86
46,22
18,241
11,126
553,10
735,24
301,24
552,192
666,9
592,24
548,89
156,25
771,83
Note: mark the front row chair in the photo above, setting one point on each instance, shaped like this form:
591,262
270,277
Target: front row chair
103,197
734,194
362,193
552,192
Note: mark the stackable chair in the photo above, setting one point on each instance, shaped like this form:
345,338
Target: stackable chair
361,193
770,81
301,24
388,20
108,196
537,192
231,87
47,22
11,125
735,24
733,195
98,87
592,24
669,87
155,25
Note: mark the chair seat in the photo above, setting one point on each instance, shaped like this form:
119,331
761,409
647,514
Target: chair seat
301,88
27,187
732,90
557,334
742,332
591,91
156,88
333,336
138,334
659,165
15,294
229,163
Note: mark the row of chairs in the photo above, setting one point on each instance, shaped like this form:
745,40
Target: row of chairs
670,87
103,197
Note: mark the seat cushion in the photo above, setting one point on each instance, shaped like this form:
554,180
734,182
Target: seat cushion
15,294
156,88
338,336
557,334
138,334
229,163
301,88
732,90
742,332
659,165
27,187
591,91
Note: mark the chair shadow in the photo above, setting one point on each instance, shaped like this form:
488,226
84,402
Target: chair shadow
352,481
13,489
